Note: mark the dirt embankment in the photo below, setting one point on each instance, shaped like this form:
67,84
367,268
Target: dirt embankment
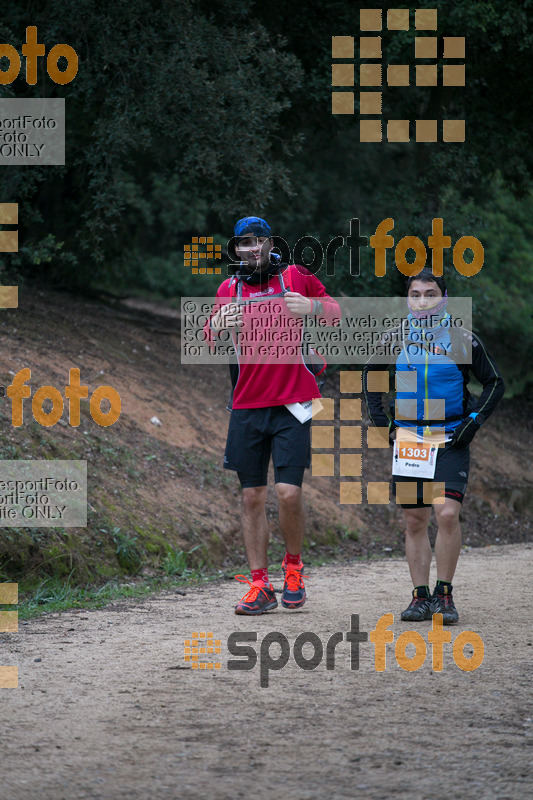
155,487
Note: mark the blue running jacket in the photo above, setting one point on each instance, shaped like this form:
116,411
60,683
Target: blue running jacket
432,371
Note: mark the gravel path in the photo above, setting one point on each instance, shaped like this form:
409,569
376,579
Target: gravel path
108,708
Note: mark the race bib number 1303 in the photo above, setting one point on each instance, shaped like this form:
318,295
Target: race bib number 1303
414,459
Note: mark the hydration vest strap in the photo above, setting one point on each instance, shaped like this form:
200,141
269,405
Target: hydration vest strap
285,279
421,423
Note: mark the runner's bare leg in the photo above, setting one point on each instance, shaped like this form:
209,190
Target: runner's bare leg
291,516
255,526
448,541
417,546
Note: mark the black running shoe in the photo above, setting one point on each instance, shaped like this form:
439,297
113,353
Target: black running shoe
442,603
418,609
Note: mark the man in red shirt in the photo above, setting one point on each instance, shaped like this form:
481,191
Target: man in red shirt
263,306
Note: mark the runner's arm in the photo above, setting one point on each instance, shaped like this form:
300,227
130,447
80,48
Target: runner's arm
212,331
324,307
487,373
374,400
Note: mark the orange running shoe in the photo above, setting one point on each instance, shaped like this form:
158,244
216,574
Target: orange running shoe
257,599
293,595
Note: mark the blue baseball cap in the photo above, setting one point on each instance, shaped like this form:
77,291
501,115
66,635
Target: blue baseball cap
254,226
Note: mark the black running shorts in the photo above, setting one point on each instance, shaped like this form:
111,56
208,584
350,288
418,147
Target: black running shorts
256,433
451,470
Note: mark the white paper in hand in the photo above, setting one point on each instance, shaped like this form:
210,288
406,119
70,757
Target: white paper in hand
304,411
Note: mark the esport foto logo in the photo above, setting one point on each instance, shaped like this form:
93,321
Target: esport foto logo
308,651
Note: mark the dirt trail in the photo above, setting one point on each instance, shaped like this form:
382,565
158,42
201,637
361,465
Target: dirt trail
107,707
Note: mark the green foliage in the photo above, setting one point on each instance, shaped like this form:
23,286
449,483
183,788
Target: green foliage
504,287
176,562
53,594
187,114
53,590
171,98
347,533
128,553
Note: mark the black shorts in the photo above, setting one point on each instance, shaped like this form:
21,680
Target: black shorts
256,433
452,468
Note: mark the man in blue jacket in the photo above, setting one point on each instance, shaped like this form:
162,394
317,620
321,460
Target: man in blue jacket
431,399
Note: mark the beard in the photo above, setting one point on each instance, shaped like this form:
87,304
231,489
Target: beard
256,275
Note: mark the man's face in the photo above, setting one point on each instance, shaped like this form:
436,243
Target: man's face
254,251
424,294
